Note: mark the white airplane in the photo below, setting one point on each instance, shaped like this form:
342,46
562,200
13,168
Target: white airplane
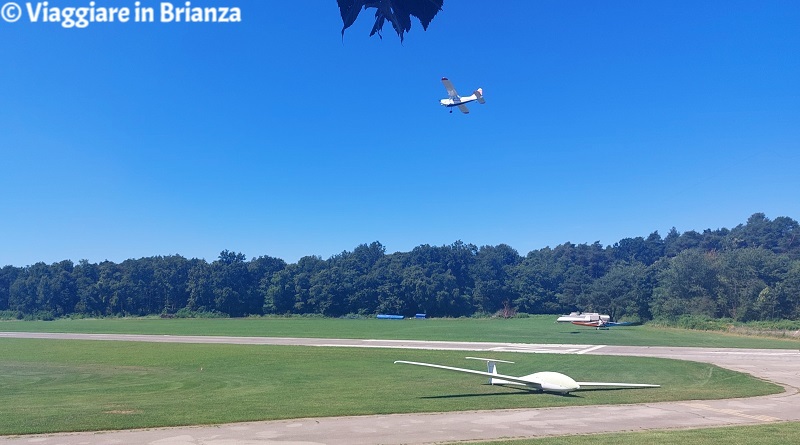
583,317
454,100
543,381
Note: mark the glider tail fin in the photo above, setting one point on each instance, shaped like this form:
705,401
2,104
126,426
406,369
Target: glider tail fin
479,94
491,365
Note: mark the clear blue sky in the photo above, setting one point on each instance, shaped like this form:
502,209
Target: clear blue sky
275,136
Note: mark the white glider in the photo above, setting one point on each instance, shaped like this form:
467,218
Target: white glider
454,100
542,381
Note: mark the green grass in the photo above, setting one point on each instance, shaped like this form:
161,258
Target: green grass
537,329
772,434
49,386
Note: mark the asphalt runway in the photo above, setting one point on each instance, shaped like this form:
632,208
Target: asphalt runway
778,366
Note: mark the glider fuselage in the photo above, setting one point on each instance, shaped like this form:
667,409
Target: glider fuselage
547,381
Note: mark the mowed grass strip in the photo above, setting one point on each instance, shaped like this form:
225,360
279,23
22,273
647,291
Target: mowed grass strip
536,329
770,434
49,386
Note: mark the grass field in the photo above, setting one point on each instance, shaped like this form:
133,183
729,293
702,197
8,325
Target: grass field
65,385
49,386
537,329
772,434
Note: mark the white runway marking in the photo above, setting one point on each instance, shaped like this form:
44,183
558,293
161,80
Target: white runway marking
594,348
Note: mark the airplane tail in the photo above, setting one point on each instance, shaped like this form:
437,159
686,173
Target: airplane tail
491,364
479,94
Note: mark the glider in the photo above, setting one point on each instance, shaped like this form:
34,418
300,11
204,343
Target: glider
454,100
547,381
398,12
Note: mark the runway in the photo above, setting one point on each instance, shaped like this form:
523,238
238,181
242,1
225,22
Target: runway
779,366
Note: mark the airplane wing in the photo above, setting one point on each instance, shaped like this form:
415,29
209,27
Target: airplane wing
451,90
509,378
463,109
619,385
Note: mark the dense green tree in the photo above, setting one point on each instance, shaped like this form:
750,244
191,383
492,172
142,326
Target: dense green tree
108,286
296,284
199,288
24,293
353,278
58,293
785,296
714,240
537,280
781,235
491,275
745,275
261,271
688,285
229,280
137,289
87,277
438,281
44,289
578,266
621,292
280,294
388,276
748,273
645,251
671,247
8,275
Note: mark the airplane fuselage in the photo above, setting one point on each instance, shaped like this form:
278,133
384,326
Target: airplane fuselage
450,102
551,382
583,317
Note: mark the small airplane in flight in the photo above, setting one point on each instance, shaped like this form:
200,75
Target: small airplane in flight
454,100
546,381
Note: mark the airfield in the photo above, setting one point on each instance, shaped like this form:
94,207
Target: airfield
780,366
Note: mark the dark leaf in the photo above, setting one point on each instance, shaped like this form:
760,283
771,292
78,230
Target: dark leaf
397,12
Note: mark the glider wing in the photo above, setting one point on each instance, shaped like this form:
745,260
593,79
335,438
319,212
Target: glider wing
619,385
522,381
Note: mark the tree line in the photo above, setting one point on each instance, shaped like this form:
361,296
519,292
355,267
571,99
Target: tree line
750,272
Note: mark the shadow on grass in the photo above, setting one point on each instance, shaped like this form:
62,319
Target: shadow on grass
516,393
611,389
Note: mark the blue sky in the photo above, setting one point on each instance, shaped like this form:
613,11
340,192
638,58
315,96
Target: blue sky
275,136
